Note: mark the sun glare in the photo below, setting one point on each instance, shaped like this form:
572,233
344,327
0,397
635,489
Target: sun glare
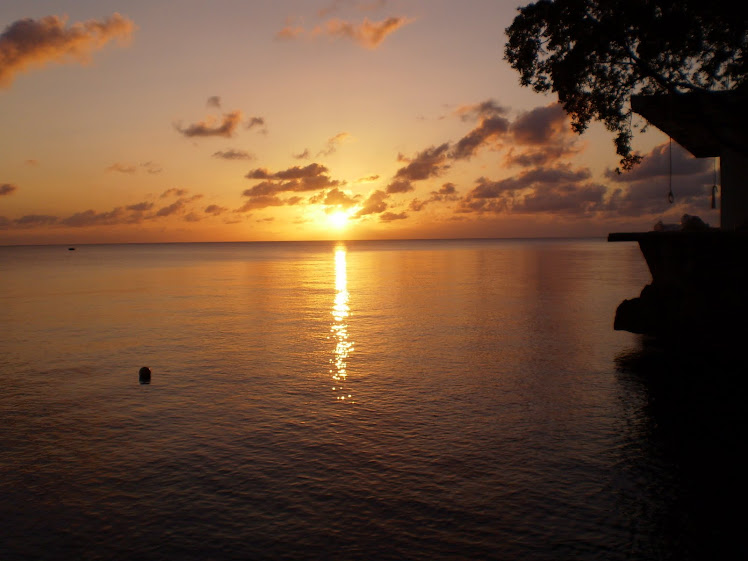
338,219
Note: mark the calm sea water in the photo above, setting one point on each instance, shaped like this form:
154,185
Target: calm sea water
360,400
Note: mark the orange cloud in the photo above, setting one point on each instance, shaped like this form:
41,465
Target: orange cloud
27,42
368,34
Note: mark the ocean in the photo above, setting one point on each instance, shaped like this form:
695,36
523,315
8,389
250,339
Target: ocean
424,400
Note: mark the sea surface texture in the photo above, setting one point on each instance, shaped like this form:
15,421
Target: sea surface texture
420,400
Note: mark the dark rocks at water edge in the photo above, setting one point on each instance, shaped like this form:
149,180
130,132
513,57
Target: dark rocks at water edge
144,375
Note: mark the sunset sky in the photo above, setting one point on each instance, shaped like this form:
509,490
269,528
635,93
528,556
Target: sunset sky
232,120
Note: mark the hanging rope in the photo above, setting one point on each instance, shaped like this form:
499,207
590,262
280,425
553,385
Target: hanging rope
670,196
714,187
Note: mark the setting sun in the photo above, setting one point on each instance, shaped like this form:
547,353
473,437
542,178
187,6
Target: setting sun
338,219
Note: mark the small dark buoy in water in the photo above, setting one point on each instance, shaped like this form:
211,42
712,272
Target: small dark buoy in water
145,375
71,249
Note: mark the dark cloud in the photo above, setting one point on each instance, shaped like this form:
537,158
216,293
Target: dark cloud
257,122
368,179
174,208
177,207
335,197
529,157
488,130
447,192
540,125
485,110
233,155
400,186
33,220
658,163
92,218
565,198
302,156
141,207
374,204
174,192
225,128
261,201
650,198
215,210
26,43
391,216
7,189
643,191
417,205
214,101
131,214
297,179
446,189
559,189
431,162
296,172
541,136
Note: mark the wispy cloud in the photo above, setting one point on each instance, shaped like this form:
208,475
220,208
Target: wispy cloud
233,155
122,168
151,167
173,192
225,128
214,101
34,220
257,122
182,208
7,189
27,43
332,144
368,34
215,210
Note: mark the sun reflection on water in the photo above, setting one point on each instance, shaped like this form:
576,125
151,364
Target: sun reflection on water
339,327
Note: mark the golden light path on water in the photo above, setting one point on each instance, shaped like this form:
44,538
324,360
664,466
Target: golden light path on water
339,327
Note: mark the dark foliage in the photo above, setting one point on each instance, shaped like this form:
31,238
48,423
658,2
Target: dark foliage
594,54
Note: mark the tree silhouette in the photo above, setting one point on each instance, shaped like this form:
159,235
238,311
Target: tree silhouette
594,54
